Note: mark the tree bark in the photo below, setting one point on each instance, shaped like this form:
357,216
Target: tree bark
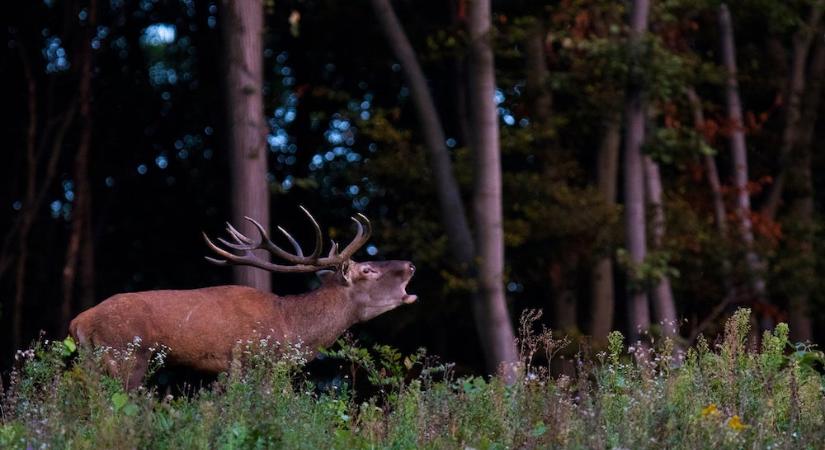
712,173
28,213
539,101
536,89
491,313
459,74
80,250
664,306
564,297
802,41
800,189
739,156
638,309
242,33
603,290
450,204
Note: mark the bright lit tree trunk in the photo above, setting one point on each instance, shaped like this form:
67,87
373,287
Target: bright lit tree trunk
664,306
634,196
491,312
242,28
739,155
450,203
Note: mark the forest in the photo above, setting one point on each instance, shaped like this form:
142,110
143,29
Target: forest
642,167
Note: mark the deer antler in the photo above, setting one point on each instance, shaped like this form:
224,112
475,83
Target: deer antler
300,262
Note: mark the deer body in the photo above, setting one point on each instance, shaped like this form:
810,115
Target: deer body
202,327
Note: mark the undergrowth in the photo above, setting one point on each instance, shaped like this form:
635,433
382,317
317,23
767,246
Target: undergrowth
722,395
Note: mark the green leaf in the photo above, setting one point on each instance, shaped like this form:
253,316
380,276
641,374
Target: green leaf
131,409
70,344
119,400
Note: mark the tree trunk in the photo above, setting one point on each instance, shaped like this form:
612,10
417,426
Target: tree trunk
80,250
740,157
638,310
451,206
28,211
800,224
491,313
459,74
607,172
450,203
539,101
712,173
538,95
796,87
564,297
664,306
242,32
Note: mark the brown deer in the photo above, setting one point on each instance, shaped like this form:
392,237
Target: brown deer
201,327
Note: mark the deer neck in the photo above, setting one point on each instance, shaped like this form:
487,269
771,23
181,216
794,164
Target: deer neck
319,317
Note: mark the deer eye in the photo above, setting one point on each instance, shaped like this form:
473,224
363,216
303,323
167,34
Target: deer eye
365,270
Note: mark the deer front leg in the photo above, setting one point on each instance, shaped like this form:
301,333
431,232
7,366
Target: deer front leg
129,370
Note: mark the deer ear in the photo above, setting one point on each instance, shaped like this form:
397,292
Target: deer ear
345,273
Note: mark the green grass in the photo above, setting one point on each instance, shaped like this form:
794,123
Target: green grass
726,395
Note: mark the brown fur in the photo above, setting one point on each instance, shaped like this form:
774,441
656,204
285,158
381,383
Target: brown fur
201,327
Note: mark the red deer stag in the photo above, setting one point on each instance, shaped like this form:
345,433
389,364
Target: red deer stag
201,327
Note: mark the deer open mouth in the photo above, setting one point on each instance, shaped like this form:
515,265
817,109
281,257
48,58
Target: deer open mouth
407,298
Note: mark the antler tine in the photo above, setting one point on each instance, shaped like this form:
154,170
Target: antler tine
319,239
238,235
333,250
235,246
217,250
368,224
295,244
268,245
358,241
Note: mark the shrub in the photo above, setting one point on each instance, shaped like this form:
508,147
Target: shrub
726,396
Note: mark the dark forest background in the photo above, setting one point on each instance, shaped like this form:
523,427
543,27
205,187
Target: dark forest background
116,156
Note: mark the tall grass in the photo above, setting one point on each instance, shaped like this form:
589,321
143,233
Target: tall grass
726,395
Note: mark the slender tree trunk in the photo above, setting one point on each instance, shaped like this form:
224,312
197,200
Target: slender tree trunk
450,203
538,94
242,32
462,113
740,156
459,73
80,249
564,297
800,217
664,306
28,212
712,173
800,224
634,174
491,313
607,172
796,87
